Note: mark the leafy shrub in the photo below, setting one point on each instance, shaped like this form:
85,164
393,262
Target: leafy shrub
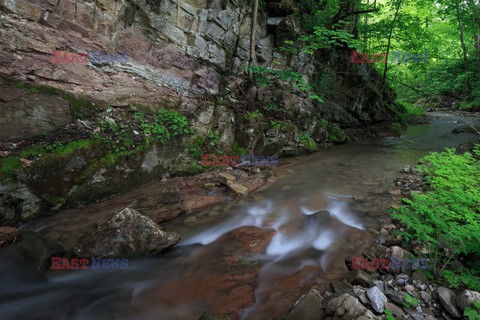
472,313
294,79
323,38
446,219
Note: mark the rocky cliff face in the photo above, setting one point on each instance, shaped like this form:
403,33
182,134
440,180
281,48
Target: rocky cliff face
187,55
175,48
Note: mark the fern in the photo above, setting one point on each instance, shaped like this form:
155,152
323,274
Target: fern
447,217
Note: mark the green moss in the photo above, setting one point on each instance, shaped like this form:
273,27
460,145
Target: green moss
34,150
7,166
73,146
80,108
194,168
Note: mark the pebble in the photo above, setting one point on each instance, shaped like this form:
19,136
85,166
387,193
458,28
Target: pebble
401,282
409,288
422,287
403,276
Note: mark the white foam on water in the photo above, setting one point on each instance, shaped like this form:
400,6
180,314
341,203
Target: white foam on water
324,240
306,211
255,217
340,211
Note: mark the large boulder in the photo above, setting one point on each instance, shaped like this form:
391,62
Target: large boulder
127,233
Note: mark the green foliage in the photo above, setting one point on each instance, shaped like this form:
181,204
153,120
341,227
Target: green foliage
8,166
59,148
323,38
214,145
12,163
396,127
472,313
308,142
281,125
253,115
336,133
194,168
410,302
408,113
389,314
160,127
196,147
323,123
446,219
165,124
294,79
289,47
271,106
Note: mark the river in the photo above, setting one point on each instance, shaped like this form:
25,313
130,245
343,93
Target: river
295,234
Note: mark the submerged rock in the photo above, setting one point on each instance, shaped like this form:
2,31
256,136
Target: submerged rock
35,251
463,129
127,233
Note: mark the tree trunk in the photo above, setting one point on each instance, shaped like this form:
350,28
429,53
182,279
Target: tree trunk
465,59
476,37
365,43
253,34
389,40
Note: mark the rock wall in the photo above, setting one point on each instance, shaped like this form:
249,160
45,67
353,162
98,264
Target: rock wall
175,48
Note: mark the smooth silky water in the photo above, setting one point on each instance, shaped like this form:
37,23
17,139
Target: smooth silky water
322,208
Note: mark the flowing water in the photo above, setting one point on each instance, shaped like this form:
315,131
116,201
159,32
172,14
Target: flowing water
296,233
